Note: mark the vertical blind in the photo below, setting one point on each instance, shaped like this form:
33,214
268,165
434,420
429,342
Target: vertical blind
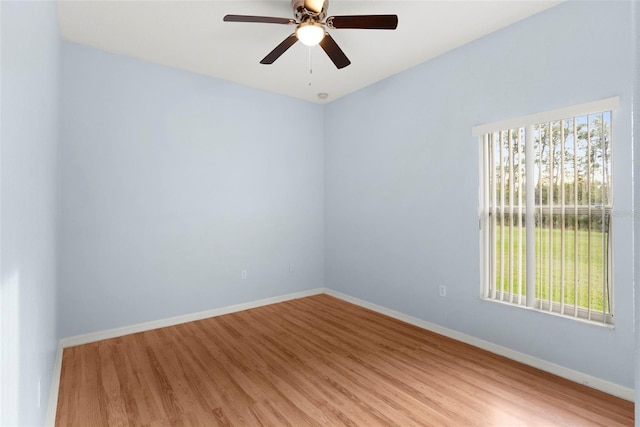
565,165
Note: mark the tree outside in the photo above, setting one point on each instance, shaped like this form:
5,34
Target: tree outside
572,175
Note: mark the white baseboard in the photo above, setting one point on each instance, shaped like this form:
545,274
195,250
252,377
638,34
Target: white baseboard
50,421
171,321
561,371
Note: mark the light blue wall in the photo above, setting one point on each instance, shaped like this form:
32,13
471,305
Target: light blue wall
401,180
172,183
29,88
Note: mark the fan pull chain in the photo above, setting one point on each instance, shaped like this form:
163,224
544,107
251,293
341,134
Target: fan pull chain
310,66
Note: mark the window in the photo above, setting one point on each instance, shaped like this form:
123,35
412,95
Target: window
546,202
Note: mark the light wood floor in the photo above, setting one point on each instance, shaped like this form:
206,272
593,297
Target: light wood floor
314,361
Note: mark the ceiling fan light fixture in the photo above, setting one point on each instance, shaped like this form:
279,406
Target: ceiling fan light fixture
310,33
310,21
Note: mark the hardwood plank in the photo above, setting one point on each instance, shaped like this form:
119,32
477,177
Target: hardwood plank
310,362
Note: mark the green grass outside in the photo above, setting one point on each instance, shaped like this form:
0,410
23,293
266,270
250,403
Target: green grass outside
588,265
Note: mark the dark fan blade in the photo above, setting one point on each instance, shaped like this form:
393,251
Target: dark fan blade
329,45
261,19
280,49
365,22
314,5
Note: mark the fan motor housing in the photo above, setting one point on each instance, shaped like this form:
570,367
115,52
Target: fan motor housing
303,14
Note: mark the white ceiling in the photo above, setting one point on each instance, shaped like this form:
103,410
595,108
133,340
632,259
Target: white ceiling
191,35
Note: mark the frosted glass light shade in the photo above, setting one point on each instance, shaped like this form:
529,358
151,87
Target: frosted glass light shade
310,34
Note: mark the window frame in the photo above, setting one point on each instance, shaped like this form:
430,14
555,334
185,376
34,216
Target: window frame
528,122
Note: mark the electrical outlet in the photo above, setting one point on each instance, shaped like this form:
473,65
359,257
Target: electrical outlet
243,275
442,291
291,268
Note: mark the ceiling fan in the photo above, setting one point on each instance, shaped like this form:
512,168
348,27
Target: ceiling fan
310,20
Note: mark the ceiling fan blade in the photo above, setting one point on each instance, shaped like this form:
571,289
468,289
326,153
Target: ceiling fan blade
280,49
314,5
260,19
329,45
365,22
